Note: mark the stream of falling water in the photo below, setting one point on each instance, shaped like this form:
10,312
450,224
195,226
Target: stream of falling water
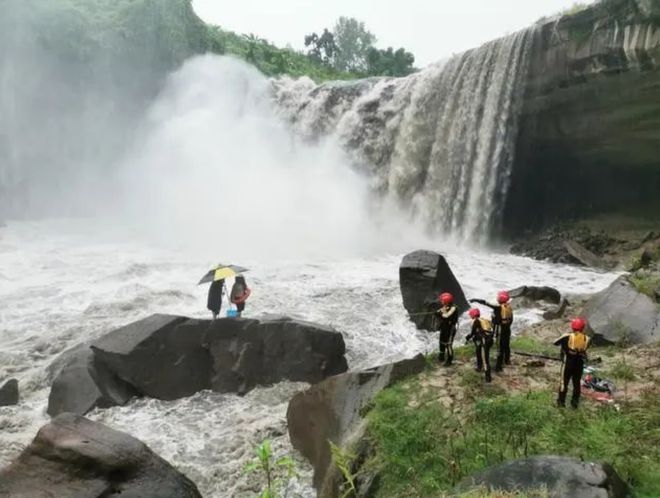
441,140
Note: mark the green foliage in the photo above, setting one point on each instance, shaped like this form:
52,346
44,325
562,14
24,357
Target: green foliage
323,48
343,460
646,282
274,472
426,450
534,346
269,59
574,9
353,42
389,62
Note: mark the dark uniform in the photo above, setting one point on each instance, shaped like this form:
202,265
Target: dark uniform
214,301
502,319
574,353
448,319
482,336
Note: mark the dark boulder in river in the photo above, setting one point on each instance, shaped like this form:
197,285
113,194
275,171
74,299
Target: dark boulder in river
73,456
170,357
9,393
423,275
561,477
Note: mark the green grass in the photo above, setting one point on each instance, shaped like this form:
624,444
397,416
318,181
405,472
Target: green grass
646,283
425,451
534,346
622,370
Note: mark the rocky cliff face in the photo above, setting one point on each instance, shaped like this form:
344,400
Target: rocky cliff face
560,120
590,122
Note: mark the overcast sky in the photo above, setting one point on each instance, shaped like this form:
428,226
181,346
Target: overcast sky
430,29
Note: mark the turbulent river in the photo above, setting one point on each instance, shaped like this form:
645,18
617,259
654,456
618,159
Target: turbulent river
63,282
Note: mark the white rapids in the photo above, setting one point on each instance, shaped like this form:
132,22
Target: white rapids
63,282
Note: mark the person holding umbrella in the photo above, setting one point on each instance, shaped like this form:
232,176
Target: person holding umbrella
214,301
217,278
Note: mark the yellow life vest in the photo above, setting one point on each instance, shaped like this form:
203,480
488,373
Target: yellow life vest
486,325
506,312
578,342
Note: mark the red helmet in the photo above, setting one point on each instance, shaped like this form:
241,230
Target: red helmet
578,324
503,297
446,298
474,313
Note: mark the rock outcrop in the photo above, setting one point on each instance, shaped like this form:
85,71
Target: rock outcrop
9,393
533,293
621,314
73,456
562,477
592,75
332,411
423,275
169,357
80,384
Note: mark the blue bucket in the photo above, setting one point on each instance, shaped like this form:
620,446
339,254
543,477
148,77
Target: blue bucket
231,313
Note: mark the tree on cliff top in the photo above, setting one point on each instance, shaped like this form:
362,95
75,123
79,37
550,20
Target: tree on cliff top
353,43
350,49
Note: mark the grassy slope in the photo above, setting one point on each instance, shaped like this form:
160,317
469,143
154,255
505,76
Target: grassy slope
435,429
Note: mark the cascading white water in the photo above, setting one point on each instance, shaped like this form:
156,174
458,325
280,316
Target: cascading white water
441,140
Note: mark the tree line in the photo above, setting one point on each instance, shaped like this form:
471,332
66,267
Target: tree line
346,52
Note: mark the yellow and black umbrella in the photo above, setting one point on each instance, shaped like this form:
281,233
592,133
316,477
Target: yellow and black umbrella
221,272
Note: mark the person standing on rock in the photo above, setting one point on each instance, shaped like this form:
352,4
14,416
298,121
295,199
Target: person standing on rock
502,319
448,320
239,293
574,353
214,301
482,336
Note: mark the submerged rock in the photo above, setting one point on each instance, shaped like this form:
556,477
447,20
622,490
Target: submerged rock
562,477
73,456
423,275
170,357
9,393
332,411
558,311
544,293
620,313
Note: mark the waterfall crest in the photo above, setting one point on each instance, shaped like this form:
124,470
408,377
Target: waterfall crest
441,141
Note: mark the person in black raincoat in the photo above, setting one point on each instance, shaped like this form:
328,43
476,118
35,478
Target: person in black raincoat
214,301
482,336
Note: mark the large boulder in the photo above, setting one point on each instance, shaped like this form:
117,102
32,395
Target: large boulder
622,314
75,457
80,384
170,357
423,275
331,411
9,393
562,477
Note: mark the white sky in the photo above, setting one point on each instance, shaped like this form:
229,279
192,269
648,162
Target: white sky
430,29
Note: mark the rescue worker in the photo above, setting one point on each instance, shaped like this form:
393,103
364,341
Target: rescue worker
482,336
502,319
239,293
574,353
448,320
214,301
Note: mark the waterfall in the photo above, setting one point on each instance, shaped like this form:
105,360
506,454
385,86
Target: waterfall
441,141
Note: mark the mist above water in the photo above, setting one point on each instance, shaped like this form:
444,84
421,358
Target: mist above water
216,167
